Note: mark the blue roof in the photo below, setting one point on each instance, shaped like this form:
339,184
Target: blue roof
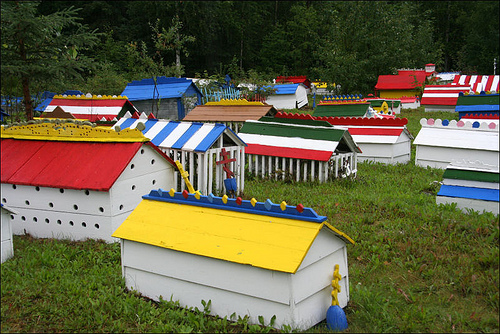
284,89
484,194
166,88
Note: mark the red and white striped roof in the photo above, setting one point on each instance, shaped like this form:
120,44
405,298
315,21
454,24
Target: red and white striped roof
94,108
447,95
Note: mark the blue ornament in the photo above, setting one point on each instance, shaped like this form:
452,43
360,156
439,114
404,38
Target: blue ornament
336,319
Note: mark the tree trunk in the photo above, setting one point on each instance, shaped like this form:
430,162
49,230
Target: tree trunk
178,55
25,81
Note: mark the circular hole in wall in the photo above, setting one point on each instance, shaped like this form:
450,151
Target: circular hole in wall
101,209
35,219
14,186
121,207
59,221
87,192
132,166
153,162
84,224
142,151
61,191
47,220
133,187
71,223
37,188
4,200
51,204
154,181
12,217
75,207
96,226
23,218
27,202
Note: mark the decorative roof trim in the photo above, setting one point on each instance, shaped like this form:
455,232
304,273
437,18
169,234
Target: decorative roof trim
460,125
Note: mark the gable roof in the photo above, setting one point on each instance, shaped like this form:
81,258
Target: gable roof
362,129
446,95
229,113
241,231
478,83
294,79
284,89
165,88
186,136
91,107
401,81
298,141
67,155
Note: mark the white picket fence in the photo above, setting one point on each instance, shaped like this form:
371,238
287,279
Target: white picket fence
339,165
204,173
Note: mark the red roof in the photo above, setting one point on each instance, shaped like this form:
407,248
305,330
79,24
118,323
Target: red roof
63,164
294,79
401,81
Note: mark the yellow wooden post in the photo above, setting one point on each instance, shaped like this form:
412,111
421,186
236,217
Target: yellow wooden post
185,176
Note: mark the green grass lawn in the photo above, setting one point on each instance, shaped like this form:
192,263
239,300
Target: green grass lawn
415,267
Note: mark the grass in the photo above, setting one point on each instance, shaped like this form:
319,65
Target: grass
415,267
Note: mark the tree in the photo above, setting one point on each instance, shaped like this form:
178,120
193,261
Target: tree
42,47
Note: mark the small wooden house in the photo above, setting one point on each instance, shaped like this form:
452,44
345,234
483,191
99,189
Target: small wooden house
406,83
442,97
198,147
88,107
385,140
472,185
338,108
232,113
167,98
279,147
70,180
7,243
245,257
478,104
296,79
440,142
288,96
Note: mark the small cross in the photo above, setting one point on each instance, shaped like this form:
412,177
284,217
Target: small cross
226,161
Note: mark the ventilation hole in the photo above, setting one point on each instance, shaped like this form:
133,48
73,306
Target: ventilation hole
14,186
12,217
84,224
71,223
23,218
75,207
101,209
37,188
59,221
153,162
51,204
132,166
35,219
142,151
27,202
154,181
47,220
87,192
96,226
61,191
133,187
121,207
4,200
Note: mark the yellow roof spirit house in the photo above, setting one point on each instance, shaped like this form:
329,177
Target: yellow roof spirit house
246,257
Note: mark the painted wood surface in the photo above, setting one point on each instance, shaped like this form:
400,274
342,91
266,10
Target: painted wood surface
298,299
439,142
472,185
288,96
7,245
381,140
197,146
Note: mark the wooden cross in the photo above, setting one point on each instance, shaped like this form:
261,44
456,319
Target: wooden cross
226,161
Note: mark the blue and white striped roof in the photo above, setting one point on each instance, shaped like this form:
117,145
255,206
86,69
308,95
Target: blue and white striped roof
186,136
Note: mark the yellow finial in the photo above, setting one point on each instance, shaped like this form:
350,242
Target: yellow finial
185,176
335,285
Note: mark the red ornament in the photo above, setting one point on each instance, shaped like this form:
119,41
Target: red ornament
185,194
239,200
300,208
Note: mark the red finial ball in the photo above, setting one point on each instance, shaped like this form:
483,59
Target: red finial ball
185,194
238,200
300,208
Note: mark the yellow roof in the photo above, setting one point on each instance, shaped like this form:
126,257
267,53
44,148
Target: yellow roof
259,240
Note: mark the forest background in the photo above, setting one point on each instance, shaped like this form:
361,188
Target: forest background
100,46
